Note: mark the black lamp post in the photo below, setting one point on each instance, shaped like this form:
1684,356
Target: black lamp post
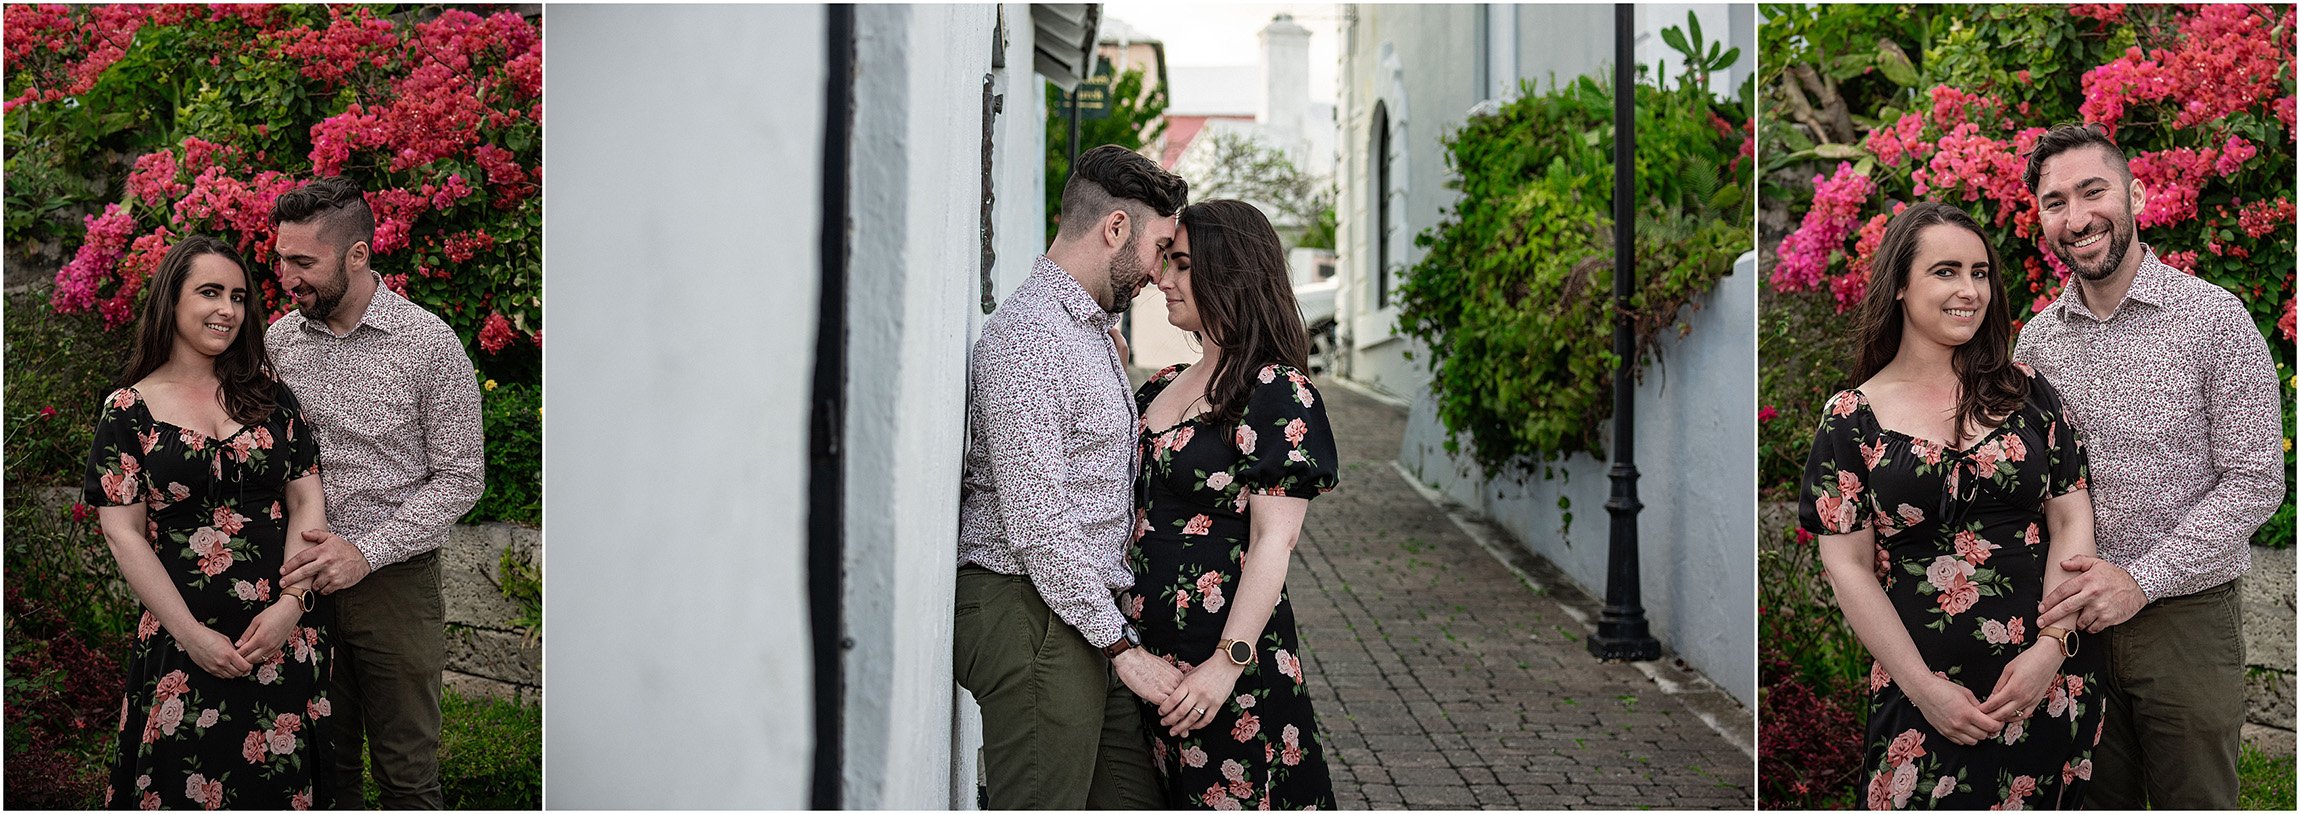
1621,629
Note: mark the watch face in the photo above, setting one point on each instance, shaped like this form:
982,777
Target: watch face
1133,637
1241,652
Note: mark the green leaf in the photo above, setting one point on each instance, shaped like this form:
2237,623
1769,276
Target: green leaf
1895,65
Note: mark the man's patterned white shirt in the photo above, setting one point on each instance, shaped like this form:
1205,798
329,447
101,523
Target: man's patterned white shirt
1048,489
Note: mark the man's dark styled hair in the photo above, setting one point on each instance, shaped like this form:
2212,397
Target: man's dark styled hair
335,204
2071,137
1112,177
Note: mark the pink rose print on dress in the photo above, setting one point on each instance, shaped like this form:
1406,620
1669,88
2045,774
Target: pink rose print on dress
1210,590
1217,797
151,801
1296,456
1904,784
269,673
170,715
1182,599
1906,747
1193,757
1198,526
207,719
316,708
149,439
1295,430
2030,536
1218,481
275,511
1872,454
209,544
1302,394
1288,665
1182,437
1133,607
175,683
1880,796
1247,727
1245,438
1837,514
120,487
1910,515
1945,571
260,437
2014,630
196,441
1878,678
2013,731
2022,787
1269,374
1994,632
2014,449
301,801
243,589
1245,701
1972,548
1848,484
147,626
1843,404
1942,788
2076,770
228,521
1960,597
1985,458
123,399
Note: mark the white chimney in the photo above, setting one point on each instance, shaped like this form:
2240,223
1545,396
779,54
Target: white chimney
1285,82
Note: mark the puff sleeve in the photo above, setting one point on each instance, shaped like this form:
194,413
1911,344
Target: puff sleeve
1836,498
1284,443
115,461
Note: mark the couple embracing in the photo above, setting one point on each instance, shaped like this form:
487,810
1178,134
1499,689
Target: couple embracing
2043,555
240,476
1121,609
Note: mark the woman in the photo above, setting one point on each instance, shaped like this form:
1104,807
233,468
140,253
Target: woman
1233,448
1944,489
204,476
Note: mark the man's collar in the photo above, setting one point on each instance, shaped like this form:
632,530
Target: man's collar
1072,296
387,311
2151,284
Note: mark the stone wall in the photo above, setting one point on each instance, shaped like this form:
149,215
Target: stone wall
486,654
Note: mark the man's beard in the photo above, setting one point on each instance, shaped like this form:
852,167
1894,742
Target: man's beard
324,300
1127,274
2120,239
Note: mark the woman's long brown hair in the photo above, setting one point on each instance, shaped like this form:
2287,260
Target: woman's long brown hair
244,370
1245,301
1989,388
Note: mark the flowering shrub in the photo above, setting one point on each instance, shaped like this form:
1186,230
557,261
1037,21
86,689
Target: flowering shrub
1514,299
216,110
2200,97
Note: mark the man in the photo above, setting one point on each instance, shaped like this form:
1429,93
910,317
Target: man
1047,507
390,392
2171,383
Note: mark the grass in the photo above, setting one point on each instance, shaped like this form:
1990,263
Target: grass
490,755
2264,781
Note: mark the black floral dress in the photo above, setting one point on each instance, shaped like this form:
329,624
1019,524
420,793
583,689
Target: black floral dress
1261,750
1962,550
218,520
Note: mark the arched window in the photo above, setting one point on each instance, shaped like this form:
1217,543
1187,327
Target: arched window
1385,220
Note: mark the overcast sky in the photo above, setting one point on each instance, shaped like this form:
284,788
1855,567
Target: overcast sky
1214,34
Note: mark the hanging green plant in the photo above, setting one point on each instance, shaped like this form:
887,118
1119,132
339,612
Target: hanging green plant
1513,297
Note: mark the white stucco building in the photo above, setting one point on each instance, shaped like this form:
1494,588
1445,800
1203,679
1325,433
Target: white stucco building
712,499
1410,75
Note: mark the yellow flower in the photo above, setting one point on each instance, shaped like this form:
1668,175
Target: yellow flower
490,384
2287,445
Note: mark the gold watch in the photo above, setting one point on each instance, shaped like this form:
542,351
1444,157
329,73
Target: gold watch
302,597
2065,636
1240,651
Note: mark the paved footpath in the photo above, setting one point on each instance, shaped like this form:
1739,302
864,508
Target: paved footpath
1444,680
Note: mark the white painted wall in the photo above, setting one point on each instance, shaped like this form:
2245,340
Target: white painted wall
683,222
1696,455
